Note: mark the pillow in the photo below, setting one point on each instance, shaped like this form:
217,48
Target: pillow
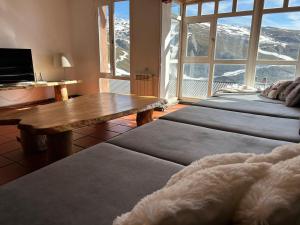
275,194
281,90
293,98
208,162
289,89
280,153
274,90
266,91
209,196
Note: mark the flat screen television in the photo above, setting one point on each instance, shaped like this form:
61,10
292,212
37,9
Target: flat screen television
16,66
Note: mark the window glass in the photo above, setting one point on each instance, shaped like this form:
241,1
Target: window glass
233,35
294,3
104,39
245,5
280,37
195,80
271,4
172,85
175,9
122,38
227,75
208,8
198,39
191,10
174,39
225,6
268,74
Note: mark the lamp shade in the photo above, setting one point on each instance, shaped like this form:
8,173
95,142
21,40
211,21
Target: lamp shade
63,60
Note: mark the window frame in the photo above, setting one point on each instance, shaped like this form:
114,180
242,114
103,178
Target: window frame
112,53
252,61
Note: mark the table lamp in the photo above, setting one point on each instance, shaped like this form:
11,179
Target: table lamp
63,61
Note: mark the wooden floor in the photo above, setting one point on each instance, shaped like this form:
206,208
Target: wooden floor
14,164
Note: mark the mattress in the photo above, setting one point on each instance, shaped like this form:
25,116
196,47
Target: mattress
243,123
253,107
185,143
92,187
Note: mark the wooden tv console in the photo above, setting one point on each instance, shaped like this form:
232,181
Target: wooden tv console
60,87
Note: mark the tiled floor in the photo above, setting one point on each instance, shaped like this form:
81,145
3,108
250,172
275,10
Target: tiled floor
14,164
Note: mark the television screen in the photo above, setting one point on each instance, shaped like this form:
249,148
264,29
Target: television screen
15,66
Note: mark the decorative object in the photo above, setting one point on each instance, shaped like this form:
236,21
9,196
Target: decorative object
64,61
293,99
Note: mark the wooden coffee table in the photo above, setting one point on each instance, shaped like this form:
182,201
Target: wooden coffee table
49,127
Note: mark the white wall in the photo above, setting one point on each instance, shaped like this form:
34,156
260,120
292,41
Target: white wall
84,15
45,27
145,34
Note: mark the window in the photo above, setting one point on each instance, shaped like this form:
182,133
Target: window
233,35
198,39
122,38
270,4
195,80
191,10
279,44
227,75
173,56
226,46
245,5
208,8
114,32
225,6
294,3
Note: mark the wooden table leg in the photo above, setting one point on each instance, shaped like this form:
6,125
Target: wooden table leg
32,143
60,145
61,93
144,117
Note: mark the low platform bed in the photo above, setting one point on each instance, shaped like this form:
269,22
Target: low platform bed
102,182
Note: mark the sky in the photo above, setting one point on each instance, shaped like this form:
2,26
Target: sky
122,9
289,20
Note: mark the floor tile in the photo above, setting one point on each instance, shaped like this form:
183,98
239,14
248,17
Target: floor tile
78,135
9,146
11,172
120,129
4,162
77,148
124,122
85,130
88,141
4,130
3,140
32,161
105,135
104,126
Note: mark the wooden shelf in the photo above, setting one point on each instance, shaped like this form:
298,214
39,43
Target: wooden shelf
30,85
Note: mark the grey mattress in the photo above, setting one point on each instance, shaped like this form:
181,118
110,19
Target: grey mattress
254,107
244,123
91,187
184,143
249,97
